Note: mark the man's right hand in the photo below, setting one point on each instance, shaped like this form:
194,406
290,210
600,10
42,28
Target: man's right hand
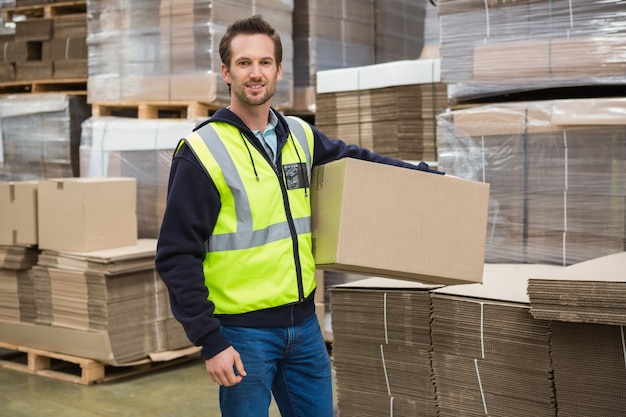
221,367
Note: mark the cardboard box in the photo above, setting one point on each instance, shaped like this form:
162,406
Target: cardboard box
380,220
18,205
85,214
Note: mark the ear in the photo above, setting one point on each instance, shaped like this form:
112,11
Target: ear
226,74
279,72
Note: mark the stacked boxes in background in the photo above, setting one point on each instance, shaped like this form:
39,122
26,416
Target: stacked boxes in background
40,135
137,148
330,34
388,108
83,283
515,47
557,171
45,45
169,51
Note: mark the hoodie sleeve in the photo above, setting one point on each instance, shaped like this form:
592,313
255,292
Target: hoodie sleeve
191,211
327,150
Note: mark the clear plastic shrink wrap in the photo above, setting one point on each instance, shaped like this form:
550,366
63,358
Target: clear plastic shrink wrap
40,135
499,47
138,148
168,50
557,171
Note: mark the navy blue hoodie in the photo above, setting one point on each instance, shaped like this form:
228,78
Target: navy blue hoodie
192,207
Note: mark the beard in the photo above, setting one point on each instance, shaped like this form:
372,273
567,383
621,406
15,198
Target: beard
254,99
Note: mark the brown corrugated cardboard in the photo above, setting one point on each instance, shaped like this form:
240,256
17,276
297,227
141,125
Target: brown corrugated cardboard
85,214
18,205
95,345
381,220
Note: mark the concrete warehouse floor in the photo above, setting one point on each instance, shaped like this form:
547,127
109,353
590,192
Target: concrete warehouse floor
183,390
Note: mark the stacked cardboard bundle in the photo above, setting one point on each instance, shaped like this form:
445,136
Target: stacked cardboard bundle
508,47
18,252
116,291
586,303
387,108
138,148
41,135
557,171
588,292
17,289
490,356
589,369
330,34
46,47
171,52
381,348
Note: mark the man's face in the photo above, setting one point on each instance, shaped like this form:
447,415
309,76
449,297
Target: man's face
253,72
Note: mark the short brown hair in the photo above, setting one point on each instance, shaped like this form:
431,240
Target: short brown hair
250,26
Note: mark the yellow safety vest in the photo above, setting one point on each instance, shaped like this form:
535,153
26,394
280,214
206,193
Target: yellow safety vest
260,253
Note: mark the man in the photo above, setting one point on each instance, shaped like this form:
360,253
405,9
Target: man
235,244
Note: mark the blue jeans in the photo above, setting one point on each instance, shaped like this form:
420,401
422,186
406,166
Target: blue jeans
291,363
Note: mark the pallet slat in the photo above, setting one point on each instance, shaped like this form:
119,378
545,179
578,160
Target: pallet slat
154,109
79,370
48,10
66,86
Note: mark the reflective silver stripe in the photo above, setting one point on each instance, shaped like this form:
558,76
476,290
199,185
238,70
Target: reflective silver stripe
299,133
233,180
252,239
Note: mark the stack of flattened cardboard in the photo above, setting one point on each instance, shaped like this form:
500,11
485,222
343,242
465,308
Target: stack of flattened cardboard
17,289
116,291
557,170
589,369
169,50
508,47
381,348
490,356
41,135
593,291
586,303
331,34
387,108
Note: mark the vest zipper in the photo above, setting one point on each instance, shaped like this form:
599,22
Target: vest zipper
292,229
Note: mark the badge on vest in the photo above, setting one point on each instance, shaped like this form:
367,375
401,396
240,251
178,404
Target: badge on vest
295,176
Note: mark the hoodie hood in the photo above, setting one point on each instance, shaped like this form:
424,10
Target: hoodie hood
227,116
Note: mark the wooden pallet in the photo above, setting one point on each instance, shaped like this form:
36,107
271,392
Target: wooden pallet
65,86
154,109
80,370
46,11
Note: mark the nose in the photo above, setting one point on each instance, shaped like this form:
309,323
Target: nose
255,70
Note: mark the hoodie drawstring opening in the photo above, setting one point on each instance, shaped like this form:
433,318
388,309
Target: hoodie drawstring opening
245,142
